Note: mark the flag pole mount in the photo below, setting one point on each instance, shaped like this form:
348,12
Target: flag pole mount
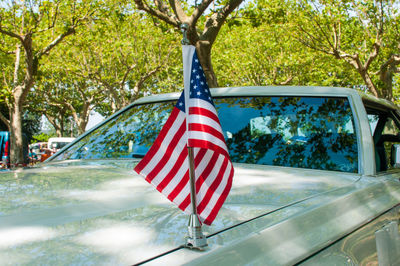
184,28
195,239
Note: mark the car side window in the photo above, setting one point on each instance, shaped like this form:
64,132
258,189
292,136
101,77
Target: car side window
386,133
303,132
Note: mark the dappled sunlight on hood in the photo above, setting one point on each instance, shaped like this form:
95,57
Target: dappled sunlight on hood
13,236
116,237
111,190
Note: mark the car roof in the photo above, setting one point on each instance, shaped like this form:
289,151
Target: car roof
61,139
259,91
277,91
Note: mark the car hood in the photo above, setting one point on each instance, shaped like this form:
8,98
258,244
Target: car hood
102,212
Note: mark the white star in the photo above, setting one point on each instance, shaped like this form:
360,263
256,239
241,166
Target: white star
198,76
194,70
192,81
196,60
180,104
195,87
198,93
202,83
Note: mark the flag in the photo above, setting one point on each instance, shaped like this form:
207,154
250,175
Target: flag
193,122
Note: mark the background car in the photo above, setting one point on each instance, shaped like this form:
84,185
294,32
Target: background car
5,148
55,144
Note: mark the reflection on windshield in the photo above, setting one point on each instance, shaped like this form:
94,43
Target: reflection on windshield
305,132
128,135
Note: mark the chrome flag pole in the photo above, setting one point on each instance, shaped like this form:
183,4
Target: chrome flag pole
195,239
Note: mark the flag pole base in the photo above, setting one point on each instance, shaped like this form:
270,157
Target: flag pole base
196,239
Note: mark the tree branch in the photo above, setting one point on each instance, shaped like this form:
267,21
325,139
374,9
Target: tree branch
199,11
373,55
129,69
142,80
215,21
5,120
178,10
55,42
11,34
163,15
393,61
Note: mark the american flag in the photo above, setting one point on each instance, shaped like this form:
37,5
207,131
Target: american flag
166,164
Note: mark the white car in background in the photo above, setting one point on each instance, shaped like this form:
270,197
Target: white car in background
55,144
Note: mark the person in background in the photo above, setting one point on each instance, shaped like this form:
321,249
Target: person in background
47,153
32,157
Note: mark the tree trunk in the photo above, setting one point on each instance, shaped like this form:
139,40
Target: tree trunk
58,132
368,81
203,49
61,126
386,77
16,141
53,122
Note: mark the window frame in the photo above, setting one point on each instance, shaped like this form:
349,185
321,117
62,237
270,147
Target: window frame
388,112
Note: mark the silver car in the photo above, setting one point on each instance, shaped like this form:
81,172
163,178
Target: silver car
316,183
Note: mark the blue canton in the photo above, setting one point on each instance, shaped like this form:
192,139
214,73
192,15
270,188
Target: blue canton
198,85
181,102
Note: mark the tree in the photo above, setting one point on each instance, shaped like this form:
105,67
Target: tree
174,14
63,98
106,65
364,34
34,29
123,67
258,48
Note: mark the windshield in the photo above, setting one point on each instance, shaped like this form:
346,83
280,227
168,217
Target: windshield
59,145
305,132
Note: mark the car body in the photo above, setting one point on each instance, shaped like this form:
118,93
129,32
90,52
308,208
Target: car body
324,191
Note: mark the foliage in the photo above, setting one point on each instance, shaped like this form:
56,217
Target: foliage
364,34
108,65
29,31
256,49
42,137
31,123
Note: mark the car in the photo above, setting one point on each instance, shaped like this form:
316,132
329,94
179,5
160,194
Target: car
56,143
5,149
316,183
